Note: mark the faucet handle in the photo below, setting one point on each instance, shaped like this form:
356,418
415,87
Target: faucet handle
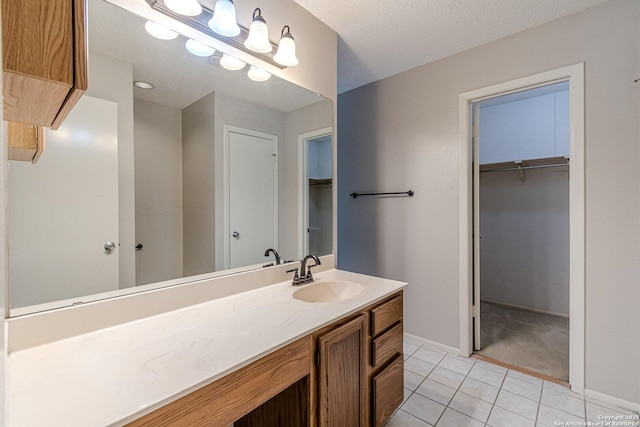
295,276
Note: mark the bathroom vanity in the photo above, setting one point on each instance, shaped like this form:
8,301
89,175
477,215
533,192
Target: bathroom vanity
249,359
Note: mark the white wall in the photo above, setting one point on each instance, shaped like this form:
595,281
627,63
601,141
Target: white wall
198,186
112,79
401,133
524,250
158,173
4,275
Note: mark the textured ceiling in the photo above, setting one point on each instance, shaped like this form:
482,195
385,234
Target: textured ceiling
378,39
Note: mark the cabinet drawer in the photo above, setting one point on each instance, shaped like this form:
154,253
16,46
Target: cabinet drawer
386,314
387,391
386,345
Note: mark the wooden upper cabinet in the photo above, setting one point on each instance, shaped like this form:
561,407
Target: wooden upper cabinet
44,53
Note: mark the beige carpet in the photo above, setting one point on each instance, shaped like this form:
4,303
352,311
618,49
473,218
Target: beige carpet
534,341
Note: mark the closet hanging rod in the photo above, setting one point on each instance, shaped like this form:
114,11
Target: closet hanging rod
409,193
515,168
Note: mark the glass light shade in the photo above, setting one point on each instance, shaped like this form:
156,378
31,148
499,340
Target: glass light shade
258,40
184,7
224,19
160,31
258,75
286,54
231,63
199,49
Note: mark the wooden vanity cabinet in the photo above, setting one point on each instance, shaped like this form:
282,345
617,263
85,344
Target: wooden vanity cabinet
342,374
44,58
347,374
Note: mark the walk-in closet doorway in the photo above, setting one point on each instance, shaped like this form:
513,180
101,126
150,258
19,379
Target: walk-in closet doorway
522,224
521,217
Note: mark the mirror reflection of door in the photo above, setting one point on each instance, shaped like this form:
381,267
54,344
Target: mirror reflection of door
68,226
253,196
318,193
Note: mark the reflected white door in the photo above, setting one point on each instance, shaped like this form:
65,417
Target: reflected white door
64,209
253,196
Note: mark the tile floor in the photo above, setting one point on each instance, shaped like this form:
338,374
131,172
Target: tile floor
447,390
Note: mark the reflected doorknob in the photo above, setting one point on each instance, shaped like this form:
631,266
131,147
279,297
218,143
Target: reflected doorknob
109,246
236,234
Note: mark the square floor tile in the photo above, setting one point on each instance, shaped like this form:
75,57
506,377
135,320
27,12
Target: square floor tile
428,355
481,390
418,366
407,393
522,388
564,402
456,365
409,347
549,416
471,406
524,377
608,405
452,418
502,418
436,391
487,375
561,389
491,366
412,339
446,377
517,404
404,419
412,380
423,408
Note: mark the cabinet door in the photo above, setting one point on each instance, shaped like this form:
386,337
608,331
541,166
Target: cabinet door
342,375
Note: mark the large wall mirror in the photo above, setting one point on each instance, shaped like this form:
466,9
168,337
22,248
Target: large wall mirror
141,188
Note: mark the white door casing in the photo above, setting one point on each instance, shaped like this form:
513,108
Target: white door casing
251,195
574,74
70,195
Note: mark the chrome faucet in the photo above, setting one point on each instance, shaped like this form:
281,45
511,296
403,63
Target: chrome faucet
275,253
305,275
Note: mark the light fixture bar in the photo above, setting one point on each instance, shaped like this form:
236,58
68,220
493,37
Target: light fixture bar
201,23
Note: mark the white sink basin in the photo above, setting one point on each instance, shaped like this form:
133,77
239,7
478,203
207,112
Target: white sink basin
328,291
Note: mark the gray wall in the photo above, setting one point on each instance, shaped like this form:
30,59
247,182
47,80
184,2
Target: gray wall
199,186
308,119
158,172
524,251
402,133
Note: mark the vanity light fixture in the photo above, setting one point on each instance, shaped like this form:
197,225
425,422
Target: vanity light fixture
230,63
258,40
143,85
199,49
184,7
258,75
286,54
160,31
224,20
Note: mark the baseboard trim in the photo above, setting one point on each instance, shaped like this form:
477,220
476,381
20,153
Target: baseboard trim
433,344
612,400
522,307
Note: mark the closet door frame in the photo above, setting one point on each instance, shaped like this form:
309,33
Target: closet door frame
574,74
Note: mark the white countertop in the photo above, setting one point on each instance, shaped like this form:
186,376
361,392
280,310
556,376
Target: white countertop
115,375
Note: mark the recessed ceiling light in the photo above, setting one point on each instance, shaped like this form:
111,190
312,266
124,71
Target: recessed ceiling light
160,31
143,85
